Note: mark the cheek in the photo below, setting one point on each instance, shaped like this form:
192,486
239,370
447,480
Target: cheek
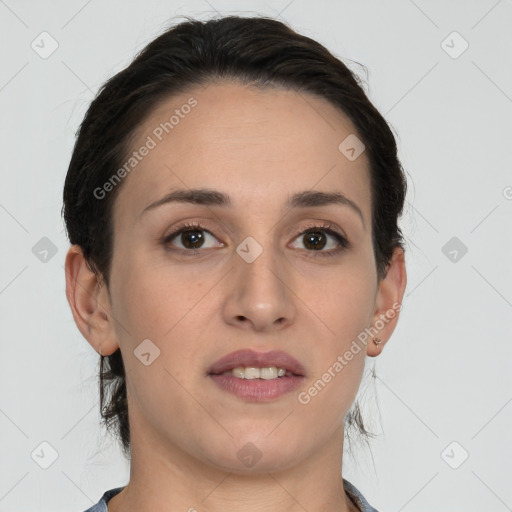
149,306
168,308
343,301
344,307
331,391
149,300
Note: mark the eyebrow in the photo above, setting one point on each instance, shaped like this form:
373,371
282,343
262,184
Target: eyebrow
210,197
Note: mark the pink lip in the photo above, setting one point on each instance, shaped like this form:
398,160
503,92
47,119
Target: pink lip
257,390
248,357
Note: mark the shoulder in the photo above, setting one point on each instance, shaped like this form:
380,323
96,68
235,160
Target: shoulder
354,494
101,506
357,497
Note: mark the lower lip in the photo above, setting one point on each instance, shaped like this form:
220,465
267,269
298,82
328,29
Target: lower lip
257,390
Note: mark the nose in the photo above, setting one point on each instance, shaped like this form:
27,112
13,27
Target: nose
260,295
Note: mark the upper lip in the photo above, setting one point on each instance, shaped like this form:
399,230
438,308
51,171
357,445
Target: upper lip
252,358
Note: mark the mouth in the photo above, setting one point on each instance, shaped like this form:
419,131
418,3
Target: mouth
257,376
249,364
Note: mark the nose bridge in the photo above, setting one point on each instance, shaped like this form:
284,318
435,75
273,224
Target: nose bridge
260,293
260,264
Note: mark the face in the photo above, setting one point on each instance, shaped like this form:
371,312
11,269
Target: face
252,273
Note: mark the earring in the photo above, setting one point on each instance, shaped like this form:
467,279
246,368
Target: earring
377,341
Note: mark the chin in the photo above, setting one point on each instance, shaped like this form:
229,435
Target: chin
255,453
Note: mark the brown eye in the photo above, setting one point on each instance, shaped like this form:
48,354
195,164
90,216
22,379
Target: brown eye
314,240
323,240
192,238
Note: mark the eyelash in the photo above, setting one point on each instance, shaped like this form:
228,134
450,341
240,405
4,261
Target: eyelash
326,228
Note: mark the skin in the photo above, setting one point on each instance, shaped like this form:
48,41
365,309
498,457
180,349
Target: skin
258,147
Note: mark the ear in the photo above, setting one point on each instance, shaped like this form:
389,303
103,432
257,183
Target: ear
388,303
90,303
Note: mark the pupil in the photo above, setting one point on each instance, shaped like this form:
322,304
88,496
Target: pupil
192,239
312,238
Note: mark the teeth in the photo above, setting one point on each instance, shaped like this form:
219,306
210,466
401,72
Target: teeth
250,372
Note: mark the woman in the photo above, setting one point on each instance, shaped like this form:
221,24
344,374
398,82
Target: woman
232,204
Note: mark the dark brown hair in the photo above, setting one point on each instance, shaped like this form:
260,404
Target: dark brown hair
257,51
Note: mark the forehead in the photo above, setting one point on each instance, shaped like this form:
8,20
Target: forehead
254,144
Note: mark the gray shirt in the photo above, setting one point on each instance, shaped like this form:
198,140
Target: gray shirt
351,491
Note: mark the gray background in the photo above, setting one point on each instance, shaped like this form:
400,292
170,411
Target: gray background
445,375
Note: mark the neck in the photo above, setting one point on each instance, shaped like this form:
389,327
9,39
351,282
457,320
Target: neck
169,480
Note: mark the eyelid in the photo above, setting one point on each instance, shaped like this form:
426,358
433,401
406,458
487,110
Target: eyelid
324,226
186,226
331,230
